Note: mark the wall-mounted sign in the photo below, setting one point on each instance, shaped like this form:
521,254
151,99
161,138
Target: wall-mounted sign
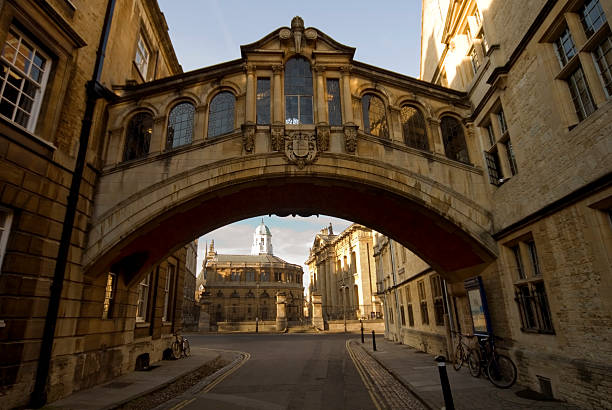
478,306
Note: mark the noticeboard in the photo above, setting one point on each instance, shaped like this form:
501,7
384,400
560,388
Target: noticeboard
479,309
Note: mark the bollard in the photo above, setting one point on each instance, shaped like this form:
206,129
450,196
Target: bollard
373,341
362,341
446,390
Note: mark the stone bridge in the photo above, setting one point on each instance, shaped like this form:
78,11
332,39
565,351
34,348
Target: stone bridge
399,157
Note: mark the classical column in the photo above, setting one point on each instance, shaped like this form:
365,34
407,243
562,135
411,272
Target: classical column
199,123
277,104
116,146
250,93
158,142
346,94
281,311
321,108
435,138
322,285
330,282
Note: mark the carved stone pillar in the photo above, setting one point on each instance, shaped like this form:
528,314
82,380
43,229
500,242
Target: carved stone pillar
199,122
116,146
350,138
158,141
321,108
435,138
277,136
346,94
248,137
323,131
250,93
395,124
277,103
317,311
281,311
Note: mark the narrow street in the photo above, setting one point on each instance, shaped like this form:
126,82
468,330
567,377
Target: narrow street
288,371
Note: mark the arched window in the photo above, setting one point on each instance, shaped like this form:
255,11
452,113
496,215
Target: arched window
374,116
298,92
221,114
138,136
413,128
454,140
180,125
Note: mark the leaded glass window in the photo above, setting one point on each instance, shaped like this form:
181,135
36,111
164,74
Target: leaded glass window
221,114
263,101
413,128
565,47
454,140
592,17
138,136
493,166
23,76
603,60
180,125
142,57
298,92
581,95
334,108
374,116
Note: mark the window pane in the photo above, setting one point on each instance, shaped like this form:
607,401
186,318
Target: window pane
298,83
564,47
263,101
291,109
221,114
454,140
138,136
306,110
592,17
581,95
413,128
603,58
519,262
493,166
374,116
180,125
334,108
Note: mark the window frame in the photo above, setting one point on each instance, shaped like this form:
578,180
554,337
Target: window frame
5,231
168,290
367,128
41,86
262,98
222,131
143,299
170,139
337,102
299,96
108,305
142,66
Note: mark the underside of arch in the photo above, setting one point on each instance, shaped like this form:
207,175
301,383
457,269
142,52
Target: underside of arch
450,250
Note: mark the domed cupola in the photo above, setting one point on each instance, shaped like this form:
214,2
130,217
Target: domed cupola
262,240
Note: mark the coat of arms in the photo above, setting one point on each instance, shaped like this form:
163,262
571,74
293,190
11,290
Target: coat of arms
301,148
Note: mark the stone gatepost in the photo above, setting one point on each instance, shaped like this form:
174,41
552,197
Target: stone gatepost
281,311
317,312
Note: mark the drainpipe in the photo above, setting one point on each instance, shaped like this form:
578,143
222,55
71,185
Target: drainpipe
94,92
397,305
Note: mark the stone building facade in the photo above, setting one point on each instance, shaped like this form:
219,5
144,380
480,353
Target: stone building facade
238,290
62,329
191,309
538,75
342,271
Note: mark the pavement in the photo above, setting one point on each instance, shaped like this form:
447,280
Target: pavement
396,377
419,373
136,384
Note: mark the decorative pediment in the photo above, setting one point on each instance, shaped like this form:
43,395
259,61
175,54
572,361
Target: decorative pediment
295,39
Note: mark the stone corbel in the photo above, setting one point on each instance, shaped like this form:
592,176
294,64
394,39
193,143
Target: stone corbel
277,136
323,131
248,136
350,137
346,69
277,68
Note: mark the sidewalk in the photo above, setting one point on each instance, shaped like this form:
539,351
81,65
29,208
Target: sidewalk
418,371
135,384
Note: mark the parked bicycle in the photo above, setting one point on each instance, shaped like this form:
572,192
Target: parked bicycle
498,367
462,351
180,347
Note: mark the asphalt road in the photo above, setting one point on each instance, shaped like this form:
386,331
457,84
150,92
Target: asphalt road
287,371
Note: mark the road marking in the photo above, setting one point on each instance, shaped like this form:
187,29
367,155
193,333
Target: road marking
369,387
245,357
182,404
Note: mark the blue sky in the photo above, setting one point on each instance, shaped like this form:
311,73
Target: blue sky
385,34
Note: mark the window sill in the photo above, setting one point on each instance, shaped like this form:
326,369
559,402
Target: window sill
142,324
538,331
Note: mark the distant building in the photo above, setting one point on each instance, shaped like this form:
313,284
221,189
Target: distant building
243,288
341,269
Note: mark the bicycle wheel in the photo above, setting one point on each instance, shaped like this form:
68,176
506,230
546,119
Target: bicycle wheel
176,350
502,371
459,354
473,360
186,348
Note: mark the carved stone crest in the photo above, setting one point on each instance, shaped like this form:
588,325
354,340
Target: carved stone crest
350,135
297,32
301,148
277,137
248,137
323,132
